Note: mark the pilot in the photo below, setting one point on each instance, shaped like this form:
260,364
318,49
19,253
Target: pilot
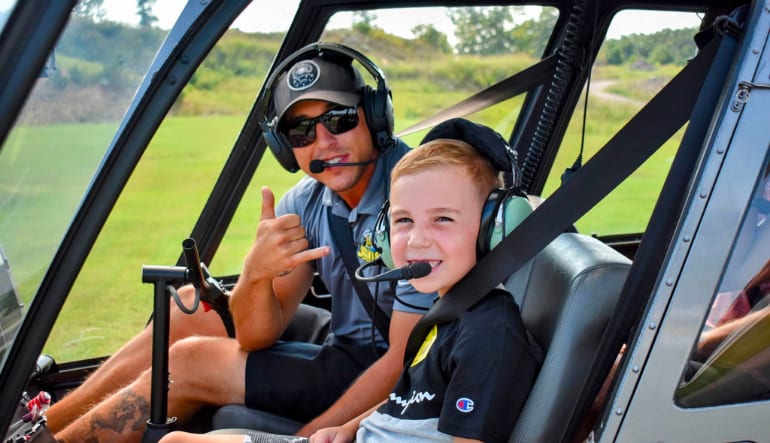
319,103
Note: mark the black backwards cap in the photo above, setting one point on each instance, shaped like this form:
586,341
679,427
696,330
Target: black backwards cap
318,78
487,141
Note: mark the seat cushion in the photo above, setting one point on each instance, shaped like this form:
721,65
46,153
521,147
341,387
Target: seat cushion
241,417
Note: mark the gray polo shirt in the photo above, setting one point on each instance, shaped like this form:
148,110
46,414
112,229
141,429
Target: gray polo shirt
310,200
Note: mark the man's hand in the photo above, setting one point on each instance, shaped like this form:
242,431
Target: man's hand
263,305
280,245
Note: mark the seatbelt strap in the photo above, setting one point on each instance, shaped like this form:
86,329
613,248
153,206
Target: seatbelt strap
343,238
622,155
512,86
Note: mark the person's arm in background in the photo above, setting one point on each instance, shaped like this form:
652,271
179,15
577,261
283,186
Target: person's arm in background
709,340
374,385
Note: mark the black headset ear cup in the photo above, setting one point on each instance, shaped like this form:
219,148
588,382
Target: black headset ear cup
502,212
381,236
378,108
279,146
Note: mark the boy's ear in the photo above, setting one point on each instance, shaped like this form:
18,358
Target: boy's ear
501,213
381,236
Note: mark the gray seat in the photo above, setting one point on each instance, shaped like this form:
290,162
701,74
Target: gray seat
310,324
566,294
237,419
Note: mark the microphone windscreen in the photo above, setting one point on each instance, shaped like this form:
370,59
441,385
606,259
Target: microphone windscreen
417,270
316,166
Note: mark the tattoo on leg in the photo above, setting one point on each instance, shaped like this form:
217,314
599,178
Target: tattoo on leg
129,416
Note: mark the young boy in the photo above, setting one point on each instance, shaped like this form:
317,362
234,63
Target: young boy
471,376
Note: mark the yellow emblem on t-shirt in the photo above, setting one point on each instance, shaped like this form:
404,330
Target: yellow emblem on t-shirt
425,346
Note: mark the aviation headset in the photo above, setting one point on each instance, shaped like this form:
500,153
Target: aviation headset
377,103
504,208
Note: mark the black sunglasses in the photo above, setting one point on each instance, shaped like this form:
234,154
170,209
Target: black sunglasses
336,120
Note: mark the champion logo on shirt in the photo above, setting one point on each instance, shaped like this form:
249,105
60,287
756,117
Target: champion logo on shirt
417,397
464,405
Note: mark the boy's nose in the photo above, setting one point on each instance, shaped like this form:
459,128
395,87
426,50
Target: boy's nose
418,238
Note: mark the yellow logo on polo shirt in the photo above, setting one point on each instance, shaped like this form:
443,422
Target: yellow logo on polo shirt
367,252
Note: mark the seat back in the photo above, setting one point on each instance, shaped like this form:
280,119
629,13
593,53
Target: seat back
566,294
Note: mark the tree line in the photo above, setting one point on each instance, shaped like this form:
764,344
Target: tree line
493,30
86,54
478,31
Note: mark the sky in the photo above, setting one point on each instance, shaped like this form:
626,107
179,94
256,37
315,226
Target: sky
272,15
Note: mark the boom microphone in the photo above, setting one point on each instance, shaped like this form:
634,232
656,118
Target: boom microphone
317,166
408,272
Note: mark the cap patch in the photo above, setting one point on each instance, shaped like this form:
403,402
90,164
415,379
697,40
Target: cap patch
303,75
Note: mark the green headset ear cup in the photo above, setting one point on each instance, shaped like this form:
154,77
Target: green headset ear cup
381,236
502,212
515,210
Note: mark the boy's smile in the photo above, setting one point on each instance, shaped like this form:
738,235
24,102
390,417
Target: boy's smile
442,232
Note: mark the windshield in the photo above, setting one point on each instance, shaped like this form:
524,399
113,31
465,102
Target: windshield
6,6
59,139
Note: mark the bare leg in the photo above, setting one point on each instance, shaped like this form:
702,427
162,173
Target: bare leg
185,437
130,361
204,371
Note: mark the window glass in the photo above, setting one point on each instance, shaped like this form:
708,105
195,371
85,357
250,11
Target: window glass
170,185
6,6
625,76
433,57
251,33
58,140
730,363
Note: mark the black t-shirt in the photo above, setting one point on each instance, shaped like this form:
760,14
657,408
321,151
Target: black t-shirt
470,378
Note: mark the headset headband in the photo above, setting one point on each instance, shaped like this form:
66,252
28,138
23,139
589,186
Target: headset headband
317,49
377,104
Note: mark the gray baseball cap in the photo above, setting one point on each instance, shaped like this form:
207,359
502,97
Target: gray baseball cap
317,79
